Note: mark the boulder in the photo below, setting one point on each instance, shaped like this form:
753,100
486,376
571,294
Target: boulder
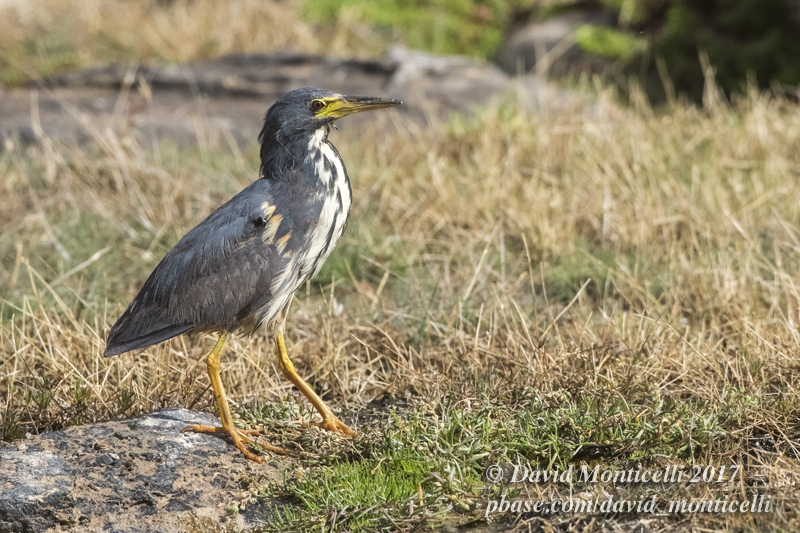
551,40
213,102
131,476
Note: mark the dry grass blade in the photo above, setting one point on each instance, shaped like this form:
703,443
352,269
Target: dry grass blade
684,343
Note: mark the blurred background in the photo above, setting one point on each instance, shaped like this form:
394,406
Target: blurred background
667,46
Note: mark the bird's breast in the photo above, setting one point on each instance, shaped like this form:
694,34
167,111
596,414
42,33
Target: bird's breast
319,219
334,197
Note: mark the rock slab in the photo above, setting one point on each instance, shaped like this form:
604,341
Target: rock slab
225,98
551,41
130,476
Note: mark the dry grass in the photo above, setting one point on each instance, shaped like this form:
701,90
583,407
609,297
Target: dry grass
45,37
631,267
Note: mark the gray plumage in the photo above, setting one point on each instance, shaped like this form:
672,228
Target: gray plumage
240,267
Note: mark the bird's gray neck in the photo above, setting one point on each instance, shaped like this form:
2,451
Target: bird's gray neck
283,155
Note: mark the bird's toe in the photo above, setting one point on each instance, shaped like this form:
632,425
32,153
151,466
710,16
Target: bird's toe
335,425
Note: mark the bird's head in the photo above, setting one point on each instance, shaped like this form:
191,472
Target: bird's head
303,111
297,115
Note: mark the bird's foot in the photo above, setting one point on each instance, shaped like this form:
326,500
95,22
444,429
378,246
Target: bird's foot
240,439
333,424
200,428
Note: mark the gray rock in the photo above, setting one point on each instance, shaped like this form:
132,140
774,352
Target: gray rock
551,40
34,490
130,476
216,101
438,85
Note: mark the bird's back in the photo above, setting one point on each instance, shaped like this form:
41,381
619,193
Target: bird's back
227,272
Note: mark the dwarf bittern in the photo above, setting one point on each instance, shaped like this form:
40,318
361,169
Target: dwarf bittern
239,268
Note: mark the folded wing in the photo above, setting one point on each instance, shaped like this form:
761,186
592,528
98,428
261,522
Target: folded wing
214,278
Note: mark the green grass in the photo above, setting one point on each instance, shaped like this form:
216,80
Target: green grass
424,466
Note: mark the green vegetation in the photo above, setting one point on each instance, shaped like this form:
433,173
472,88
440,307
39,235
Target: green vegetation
441,26
739,40
424,466
609,42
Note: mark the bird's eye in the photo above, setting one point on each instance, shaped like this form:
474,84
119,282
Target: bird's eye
316,105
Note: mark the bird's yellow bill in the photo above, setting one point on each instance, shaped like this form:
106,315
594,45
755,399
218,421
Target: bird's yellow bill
340,106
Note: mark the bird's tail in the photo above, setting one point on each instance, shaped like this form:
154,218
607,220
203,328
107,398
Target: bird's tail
125,337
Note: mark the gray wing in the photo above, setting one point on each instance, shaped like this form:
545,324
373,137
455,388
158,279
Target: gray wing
212,279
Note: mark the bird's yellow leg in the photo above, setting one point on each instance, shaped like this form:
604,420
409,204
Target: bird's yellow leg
238,435
329,420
